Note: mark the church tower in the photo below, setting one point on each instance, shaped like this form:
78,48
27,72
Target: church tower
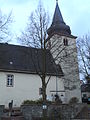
62,45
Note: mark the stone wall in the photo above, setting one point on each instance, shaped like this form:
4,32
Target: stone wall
66,57
62,112
1,110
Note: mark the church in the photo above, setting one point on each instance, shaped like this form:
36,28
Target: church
19,66
65,54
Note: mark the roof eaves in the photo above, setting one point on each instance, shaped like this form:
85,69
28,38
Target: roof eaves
61,34
29,72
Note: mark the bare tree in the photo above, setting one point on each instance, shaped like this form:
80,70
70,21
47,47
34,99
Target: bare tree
5,23
84,55
35,36
36,31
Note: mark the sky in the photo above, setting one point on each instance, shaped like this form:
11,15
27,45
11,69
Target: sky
76,13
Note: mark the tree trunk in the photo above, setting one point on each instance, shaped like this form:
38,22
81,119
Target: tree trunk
44,89
44,83
44,73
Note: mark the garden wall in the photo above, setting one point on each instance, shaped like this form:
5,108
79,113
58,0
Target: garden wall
56,112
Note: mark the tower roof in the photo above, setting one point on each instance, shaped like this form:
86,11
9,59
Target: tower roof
58,24
57,18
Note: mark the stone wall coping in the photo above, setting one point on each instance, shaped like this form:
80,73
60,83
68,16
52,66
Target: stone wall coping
54,104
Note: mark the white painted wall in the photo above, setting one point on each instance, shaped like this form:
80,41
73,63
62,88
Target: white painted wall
26,86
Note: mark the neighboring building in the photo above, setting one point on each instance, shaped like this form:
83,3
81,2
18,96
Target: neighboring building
85,91
19,66
65,54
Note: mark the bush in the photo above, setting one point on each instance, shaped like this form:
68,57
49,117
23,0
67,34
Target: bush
73,100
25,102
40,101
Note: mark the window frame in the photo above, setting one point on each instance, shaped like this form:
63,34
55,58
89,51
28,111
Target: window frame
65,42
10,81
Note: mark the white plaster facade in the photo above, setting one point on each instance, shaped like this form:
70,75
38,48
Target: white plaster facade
26,87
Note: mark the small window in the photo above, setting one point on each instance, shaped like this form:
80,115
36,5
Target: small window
84,95
65,41
10,80
62,95
49,45
40,91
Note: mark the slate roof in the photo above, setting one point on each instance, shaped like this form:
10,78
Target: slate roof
27,60
58,24
85,87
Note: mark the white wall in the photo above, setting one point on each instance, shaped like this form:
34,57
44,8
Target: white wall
26,86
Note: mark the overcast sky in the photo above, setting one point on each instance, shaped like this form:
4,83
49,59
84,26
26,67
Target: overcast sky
76,13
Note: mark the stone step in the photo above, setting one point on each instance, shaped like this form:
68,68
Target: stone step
15,112
18,113
13,118
13,109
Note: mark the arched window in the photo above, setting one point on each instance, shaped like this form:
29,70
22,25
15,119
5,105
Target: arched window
65,41
49,45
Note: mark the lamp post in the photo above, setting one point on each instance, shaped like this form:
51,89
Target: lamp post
44,111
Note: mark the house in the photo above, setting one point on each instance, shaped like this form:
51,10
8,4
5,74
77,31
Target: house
19,66
85,92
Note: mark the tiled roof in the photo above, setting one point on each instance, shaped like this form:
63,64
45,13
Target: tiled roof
27,60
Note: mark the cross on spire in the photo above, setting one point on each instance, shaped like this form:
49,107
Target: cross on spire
56,1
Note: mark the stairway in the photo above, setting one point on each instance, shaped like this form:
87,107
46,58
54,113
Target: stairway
16,114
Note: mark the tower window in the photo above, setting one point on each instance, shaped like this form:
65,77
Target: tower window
49,44
10,80
65,41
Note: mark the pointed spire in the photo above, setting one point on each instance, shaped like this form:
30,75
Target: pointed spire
58,24
57,18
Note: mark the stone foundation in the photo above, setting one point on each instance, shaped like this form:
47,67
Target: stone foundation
12,118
